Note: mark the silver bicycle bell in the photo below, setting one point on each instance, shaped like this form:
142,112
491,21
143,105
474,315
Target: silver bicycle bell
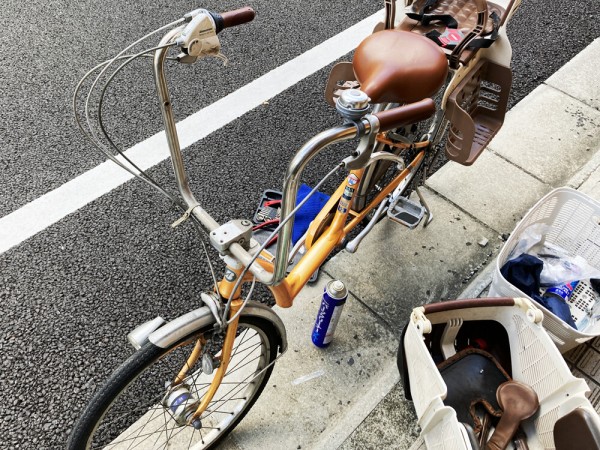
353,104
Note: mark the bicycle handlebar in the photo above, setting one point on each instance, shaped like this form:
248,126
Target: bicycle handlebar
390,119
405,115
233,18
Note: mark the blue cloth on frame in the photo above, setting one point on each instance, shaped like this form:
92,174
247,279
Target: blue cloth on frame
308,212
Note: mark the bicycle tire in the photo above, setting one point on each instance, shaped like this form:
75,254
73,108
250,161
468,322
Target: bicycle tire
94,428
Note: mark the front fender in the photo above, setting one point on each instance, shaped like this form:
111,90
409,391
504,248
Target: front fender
175,330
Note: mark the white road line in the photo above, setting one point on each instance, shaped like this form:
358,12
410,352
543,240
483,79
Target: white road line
73,195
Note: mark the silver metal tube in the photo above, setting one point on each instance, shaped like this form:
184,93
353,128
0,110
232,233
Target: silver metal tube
292,181
352,246
177,160
261,274
297,165
171,132
379,156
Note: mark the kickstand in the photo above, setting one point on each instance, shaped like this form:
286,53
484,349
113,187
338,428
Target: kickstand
428,213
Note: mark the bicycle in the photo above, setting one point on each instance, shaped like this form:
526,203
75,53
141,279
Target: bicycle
194,378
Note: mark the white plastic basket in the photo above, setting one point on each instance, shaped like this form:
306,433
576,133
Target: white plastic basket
582,301
534,360
574,221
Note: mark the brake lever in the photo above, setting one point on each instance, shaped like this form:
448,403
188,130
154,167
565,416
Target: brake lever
199,38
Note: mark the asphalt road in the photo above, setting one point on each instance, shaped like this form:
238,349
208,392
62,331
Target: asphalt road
70,294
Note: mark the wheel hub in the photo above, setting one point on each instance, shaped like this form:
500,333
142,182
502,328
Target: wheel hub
182,405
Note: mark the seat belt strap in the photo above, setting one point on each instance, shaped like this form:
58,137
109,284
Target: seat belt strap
451,39
426,19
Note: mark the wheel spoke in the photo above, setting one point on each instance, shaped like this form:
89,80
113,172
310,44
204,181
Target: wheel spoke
232,392
232,369
142,429
139,418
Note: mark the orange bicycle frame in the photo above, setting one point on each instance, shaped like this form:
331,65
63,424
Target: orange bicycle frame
320,245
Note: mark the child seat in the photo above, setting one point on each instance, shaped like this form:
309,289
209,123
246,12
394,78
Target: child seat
476,103
508,331
475,98
449,22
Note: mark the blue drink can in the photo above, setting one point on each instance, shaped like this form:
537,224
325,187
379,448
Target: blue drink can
563,291
334,298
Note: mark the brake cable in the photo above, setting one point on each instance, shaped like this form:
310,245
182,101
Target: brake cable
264,245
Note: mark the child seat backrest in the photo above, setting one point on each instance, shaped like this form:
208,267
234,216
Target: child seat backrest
448,22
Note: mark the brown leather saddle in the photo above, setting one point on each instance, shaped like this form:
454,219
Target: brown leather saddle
404,66
474,378
399,67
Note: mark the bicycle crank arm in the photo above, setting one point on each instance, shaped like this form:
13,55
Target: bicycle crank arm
428,213
352,246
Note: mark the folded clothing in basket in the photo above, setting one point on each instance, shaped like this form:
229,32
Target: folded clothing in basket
523,272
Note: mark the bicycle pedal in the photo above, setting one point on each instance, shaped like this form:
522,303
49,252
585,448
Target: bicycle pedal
407,212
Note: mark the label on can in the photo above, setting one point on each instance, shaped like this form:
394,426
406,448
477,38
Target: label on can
335,317
564,291
334,298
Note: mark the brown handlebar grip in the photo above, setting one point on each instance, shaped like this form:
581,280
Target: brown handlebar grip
237,17
405,115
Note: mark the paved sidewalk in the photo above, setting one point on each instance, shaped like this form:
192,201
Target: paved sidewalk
550,139
349,396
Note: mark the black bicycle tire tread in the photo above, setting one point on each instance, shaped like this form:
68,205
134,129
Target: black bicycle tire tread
98,405
132,367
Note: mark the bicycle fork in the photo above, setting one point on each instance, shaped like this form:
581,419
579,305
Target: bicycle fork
226,287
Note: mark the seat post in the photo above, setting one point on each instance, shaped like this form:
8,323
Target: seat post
390,14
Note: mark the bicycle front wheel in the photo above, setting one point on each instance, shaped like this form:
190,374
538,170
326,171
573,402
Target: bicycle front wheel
140,407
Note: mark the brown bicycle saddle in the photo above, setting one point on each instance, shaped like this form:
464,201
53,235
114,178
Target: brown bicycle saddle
472,377
519,402
399,67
